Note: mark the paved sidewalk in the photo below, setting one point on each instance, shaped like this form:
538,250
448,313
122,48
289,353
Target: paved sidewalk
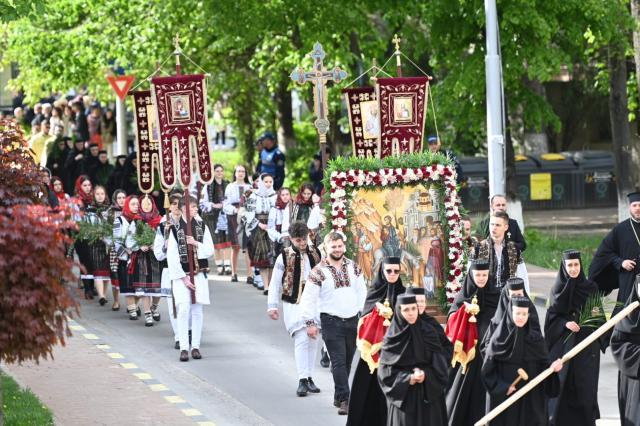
83,386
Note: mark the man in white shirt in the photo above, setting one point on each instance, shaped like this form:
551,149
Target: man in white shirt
177,259
336,289
290,274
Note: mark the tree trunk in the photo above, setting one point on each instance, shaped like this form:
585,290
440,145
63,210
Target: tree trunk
635,13
511,185
620,130
284,115
535,138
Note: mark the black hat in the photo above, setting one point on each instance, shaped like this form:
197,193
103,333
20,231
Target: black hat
432,139
266,135
520,302
102,151
415,291
391,260
571,254
406,299
634,197
480,265
515,284
91,145
121,156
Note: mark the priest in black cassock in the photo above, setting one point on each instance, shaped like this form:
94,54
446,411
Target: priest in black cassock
516,345
625,346
407,376
367,404
578,398
466,395
617,260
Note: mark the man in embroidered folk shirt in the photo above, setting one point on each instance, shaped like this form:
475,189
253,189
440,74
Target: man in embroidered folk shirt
177,259
504,257
290,273
337,290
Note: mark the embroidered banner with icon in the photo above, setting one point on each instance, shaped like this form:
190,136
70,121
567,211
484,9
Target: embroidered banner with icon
182,118
403,105
364,120
147,139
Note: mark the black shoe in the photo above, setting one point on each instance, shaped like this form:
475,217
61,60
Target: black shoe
155,313
312,386
184,356
343,410
324,358
250,281
133,315
234,278
266,292
195,353
177,345
227,271
102,301
303,389
148,319
220,271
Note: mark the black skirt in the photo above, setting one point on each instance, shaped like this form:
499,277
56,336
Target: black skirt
101,267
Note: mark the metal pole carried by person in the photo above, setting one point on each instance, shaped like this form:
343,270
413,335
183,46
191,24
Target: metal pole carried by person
566,357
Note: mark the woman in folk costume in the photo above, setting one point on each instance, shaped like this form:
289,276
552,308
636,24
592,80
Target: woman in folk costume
625,347
259,204
408,372
571,294
301,207
211,205
144,269
234,200
276,217
97,214
125,245
117,203
466,396
516,347
83,199
367,404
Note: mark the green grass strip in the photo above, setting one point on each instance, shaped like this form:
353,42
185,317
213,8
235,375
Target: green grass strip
21,407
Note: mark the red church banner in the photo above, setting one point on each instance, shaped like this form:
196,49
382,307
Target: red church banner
147,138
364,120
403,105
182,117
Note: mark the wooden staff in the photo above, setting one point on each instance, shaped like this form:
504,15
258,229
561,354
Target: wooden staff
566,357
522,375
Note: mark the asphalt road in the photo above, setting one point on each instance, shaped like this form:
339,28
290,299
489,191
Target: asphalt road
247,375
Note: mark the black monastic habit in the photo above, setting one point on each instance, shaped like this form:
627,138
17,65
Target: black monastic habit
367,404
625,346
466,397
578,398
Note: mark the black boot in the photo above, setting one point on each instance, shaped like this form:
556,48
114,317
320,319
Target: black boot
312,386
303,388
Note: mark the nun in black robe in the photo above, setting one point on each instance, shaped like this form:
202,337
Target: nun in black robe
510,348
441,361
578,398
367,404
620,244
408,349
625,347
514,287
466,396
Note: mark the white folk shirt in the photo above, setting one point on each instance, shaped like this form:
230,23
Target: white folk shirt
181,292
339,292
291,312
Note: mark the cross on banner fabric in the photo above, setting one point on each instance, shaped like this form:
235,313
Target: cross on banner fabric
364,119
403,105
181,108
147,138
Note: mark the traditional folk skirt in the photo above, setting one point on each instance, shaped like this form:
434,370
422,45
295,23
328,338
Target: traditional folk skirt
84,257
219,236
101,268
237,237
145,274
260,247
113,267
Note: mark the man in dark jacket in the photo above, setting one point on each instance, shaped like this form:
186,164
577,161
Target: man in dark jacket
82,128
74,166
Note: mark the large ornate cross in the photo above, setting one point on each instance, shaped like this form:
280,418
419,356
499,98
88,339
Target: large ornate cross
319,78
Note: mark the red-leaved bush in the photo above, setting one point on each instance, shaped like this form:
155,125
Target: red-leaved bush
34,303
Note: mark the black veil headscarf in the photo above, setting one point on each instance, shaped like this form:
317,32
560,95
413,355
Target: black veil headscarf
408,345
516,344
381,289
488,296
568,295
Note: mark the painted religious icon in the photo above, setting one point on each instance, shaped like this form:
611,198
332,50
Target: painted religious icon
403,109
180,108
403,222
370,119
